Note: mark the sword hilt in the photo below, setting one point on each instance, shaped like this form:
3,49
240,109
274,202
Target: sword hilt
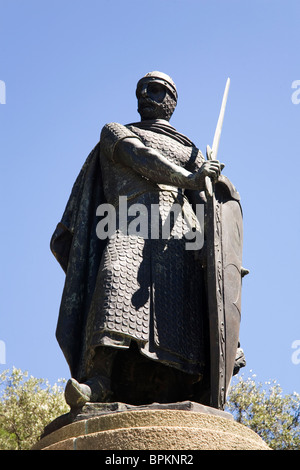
208,183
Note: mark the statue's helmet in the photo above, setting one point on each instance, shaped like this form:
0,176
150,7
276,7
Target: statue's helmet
161,78
156,102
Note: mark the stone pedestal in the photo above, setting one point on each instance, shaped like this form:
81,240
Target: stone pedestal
148,428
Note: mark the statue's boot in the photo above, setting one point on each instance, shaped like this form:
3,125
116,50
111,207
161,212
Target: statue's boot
96,389
77,394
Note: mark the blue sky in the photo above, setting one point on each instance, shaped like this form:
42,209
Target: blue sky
71,66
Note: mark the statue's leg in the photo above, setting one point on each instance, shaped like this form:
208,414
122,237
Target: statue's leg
97,388
138,380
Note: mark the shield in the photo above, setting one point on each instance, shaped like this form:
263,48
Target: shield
224,239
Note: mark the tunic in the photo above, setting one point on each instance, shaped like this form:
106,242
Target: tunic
145,287
149,289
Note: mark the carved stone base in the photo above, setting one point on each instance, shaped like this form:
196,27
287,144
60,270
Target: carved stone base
153,427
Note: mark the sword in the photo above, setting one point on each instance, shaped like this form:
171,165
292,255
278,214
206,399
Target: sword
215,289
211,153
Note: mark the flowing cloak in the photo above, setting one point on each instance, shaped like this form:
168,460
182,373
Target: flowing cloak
76,247
79,251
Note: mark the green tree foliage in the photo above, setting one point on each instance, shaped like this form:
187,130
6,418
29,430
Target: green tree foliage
27,405
263,408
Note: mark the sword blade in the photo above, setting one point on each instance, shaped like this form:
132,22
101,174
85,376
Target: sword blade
211,154
218,131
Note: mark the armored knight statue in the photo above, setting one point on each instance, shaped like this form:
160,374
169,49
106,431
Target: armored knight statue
134,321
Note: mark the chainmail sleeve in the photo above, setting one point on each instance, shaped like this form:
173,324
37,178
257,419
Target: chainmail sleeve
111,134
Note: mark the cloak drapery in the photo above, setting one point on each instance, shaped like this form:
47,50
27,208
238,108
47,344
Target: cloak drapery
78,250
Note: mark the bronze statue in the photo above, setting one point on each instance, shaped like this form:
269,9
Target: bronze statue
135,322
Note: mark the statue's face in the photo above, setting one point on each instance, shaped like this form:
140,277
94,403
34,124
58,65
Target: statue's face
154,101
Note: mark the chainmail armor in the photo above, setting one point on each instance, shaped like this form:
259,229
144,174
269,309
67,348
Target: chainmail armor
149,290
